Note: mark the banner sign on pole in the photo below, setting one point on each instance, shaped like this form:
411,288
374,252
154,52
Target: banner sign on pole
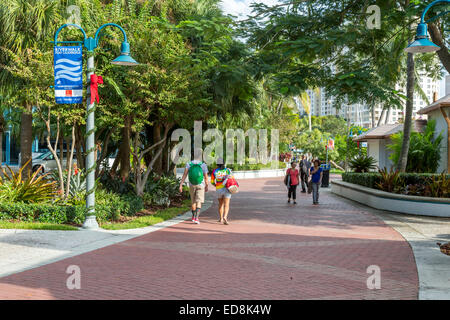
68,65
331,144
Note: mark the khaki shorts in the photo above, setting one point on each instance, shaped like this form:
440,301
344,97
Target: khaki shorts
197,194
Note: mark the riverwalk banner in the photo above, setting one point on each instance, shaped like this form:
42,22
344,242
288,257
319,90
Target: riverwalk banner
68,65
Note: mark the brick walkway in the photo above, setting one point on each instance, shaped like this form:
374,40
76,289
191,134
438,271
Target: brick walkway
270,250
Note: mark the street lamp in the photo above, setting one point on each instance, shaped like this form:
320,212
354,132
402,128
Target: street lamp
124,60
421,43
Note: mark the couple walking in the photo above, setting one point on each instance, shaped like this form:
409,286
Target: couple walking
198,185
293,176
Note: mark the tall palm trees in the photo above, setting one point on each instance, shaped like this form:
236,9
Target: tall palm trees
24,25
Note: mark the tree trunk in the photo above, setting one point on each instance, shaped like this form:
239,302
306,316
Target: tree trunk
26,140
79,147
403,160
388,115
61,145
381,117
69,162
373,116
116,163
157,167
165,158
348,141
437,38
125,149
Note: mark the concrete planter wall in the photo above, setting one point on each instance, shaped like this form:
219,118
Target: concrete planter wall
423,206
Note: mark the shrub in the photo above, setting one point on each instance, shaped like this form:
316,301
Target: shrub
116,184
34,189
390,181
362,163
424,150
420,184
109,206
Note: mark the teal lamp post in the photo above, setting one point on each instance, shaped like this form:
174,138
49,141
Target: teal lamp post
422,44
124,60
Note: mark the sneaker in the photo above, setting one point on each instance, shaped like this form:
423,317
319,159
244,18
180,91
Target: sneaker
303,191
196,221
289,201
295,202
193,218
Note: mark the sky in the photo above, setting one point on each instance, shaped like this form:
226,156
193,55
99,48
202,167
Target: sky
241,8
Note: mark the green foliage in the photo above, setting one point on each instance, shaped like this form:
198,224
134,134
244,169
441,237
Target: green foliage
34,189
424,150
368,180
109,207
390,181
77,189
439,186
418,184
362,163
112,206
160,191
115,184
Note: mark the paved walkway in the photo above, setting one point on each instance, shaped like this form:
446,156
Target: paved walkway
270,250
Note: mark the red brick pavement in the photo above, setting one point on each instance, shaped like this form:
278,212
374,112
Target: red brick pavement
270,250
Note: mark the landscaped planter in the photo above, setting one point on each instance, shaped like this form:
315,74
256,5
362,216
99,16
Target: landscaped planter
424,206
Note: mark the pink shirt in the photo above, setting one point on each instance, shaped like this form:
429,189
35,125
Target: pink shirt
294,176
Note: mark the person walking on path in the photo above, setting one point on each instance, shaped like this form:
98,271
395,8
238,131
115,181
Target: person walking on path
292,176
219,178
304,172
316,173
198,185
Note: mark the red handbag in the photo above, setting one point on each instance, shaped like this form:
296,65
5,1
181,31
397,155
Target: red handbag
232,185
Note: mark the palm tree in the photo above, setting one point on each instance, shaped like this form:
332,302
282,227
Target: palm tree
24,25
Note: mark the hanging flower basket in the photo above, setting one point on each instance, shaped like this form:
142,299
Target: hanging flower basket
445,248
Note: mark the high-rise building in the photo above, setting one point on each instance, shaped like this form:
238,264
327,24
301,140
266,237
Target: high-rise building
360,114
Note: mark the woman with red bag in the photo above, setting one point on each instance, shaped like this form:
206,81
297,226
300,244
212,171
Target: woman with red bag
219,178
291,180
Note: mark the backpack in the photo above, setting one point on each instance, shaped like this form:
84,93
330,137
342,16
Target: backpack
195,173
304,167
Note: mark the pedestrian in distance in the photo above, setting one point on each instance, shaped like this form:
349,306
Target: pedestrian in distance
292,179
197,171
316,173
305,165
219,177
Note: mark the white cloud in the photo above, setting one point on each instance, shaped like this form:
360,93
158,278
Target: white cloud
241,8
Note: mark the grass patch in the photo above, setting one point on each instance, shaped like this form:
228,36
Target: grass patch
336,171
35,226
149,220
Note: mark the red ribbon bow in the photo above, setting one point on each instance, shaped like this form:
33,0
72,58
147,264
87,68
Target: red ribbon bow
95,80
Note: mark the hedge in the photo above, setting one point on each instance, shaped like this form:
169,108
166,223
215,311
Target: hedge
370,179
108,208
